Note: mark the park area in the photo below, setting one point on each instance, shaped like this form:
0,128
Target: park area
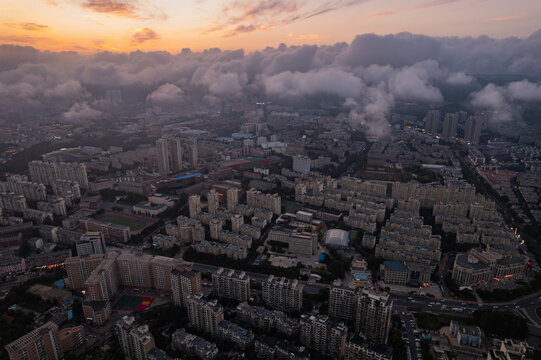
135,223
133,303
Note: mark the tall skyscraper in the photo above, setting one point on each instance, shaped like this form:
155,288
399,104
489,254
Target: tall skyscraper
194,205
213,201
175,153
194,153
163,156
169,152
462,116
41,343
373,318
432,122
136,341
232,198
450,124
472,132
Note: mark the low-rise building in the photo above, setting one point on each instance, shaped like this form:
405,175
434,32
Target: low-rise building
193,345
228,331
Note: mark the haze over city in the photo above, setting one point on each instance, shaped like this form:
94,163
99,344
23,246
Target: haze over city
270,179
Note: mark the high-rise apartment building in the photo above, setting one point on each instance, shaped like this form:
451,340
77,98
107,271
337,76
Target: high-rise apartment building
232,198
373,318
48,172
342,302
184,282
79,269
359,348
62,187
257,199
162,150
282,294
103,282
39,344
169,153
194,152
21,186
90,243
472,133
301,164
213,199
136,341
204,315
231,284
102,276
323,335
450,124
237,221
194,205
13,202
432,122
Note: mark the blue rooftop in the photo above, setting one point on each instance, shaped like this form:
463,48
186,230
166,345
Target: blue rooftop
360,276
188,176
395,265
240,135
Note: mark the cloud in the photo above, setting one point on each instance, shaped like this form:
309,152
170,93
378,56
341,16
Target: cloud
381,14
244,16
505,102
120,8
143,35
29,26
131,9
325,81
524,91
81,112
507,18
433,3
412,83
371,112
459,78
374,71
310,37
166,94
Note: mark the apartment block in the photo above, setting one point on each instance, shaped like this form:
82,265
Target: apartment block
342,302
185,282
257,199
203,314
323,335
231,332
234,252
373,318
262,318
48,172
136,341
282,294
41,343
231,284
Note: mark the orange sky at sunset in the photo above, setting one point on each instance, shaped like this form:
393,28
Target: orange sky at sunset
88,26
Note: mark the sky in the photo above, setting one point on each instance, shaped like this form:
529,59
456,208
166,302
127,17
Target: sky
90,26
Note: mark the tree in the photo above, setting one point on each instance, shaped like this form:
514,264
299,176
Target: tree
336,267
